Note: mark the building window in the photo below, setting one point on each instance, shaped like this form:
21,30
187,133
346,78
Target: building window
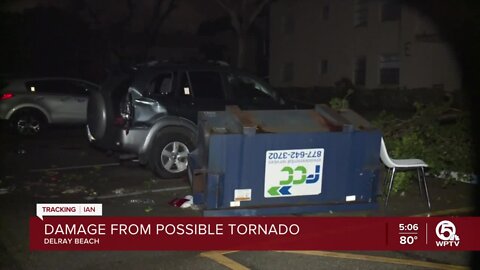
287,72
360,71
389,69
288,24
360,14
326,12
323,67
390,10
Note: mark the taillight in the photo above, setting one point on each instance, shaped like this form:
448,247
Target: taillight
6,96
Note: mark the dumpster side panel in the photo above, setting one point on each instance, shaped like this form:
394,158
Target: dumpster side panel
364,168
242,161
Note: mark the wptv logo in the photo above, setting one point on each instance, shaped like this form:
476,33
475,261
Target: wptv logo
447,233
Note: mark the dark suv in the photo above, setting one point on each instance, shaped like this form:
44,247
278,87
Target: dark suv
151,110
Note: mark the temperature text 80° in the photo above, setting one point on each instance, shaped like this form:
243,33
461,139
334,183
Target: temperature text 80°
408,240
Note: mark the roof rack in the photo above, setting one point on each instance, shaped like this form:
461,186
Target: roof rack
153,63
219,62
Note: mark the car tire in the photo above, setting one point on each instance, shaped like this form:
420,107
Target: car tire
168,158
28,123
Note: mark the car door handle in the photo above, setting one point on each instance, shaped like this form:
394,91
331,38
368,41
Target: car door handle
81,99
64,98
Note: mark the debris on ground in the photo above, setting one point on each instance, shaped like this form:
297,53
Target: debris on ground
185,202
74,190
51,176
6,185
118,191
154,180
4,191
458,176
21,150
142,201
196,207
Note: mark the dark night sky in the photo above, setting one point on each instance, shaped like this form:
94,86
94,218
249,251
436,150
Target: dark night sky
459,20
185,18
46,42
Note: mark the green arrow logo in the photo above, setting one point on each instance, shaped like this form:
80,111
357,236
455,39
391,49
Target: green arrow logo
273,191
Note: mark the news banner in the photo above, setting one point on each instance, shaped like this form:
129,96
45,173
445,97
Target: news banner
82,227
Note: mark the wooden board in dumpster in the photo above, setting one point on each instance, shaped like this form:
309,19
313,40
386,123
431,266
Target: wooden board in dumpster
275,162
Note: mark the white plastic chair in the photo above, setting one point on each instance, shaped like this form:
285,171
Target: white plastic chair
403,164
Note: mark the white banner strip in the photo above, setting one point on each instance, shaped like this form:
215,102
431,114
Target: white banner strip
68,209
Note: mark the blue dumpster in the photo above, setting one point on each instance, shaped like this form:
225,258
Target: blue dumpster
284,162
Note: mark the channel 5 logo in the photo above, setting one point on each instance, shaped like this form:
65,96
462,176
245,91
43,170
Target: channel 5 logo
447,233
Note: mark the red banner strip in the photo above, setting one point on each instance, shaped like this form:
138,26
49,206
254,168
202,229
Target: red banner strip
254,233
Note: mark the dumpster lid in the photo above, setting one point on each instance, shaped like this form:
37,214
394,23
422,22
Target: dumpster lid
321,119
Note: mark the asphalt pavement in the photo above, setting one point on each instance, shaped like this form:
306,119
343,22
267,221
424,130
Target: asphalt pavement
61,166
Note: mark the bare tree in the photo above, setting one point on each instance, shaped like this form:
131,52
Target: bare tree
161,11
242,15
117,29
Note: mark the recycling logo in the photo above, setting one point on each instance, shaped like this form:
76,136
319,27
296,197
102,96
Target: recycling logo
296,172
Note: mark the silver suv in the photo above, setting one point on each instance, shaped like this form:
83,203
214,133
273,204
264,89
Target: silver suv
31,104
151,111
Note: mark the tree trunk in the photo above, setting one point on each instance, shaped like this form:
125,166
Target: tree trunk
242,44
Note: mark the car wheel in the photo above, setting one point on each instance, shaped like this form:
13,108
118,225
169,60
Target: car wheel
28,123
169,155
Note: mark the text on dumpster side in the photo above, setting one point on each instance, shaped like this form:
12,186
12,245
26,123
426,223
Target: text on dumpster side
294,154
